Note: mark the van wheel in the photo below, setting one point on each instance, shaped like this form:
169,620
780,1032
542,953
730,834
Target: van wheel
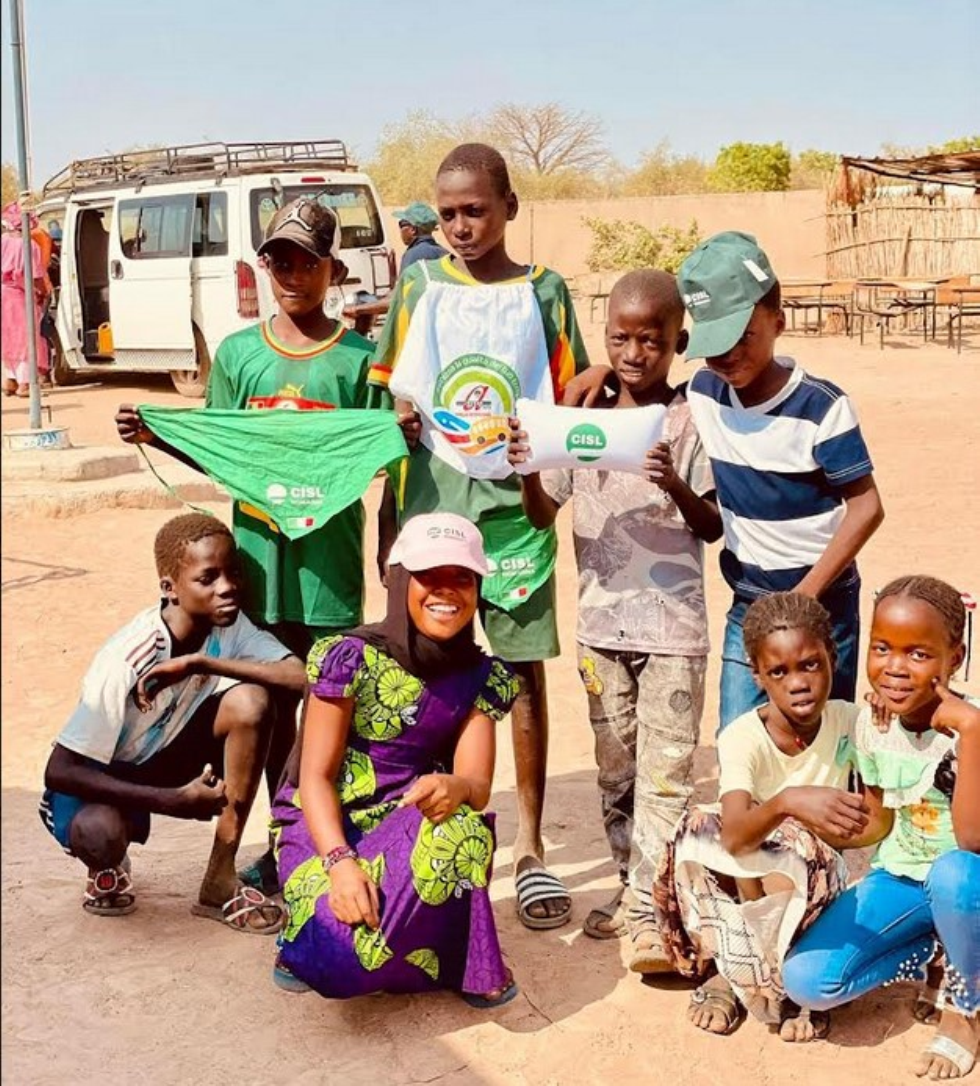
61,373
194,383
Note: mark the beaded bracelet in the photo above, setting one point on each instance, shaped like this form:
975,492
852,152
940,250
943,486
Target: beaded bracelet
335,855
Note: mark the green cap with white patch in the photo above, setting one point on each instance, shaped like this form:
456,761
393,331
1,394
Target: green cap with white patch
720,284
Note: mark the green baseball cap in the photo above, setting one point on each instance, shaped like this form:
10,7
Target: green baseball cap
418,214
720,284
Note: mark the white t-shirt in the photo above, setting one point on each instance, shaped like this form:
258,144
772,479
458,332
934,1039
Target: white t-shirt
106,725
751,762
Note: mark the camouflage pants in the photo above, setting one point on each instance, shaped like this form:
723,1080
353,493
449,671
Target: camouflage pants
645,711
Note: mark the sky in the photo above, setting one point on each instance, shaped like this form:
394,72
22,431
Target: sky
838,75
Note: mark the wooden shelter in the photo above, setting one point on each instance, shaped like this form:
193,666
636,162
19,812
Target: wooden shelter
917,217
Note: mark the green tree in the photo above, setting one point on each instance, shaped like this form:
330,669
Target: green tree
956,146
813,169
662,173
751,167
11,183
409,152
621,246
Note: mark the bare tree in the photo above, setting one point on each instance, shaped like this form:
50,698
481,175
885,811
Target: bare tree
549,139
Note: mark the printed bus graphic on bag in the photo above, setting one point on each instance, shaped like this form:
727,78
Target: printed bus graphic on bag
586,442
472,400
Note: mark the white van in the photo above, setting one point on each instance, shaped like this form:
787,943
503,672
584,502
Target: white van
158,259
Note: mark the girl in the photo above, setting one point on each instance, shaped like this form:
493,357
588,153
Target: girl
14,300
925,882
734,889
383,860
465,336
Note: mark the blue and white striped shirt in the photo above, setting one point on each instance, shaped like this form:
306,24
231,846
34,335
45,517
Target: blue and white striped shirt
779,469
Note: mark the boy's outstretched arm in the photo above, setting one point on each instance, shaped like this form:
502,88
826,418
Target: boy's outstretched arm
864,513
288,672
700,513
75,775
834,815
539,507
134,431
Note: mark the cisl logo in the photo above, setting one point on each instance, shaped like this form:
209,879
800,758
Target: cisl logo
585,442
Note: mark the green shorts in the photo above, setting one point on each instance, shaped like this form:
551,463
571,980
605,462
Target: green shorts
529,632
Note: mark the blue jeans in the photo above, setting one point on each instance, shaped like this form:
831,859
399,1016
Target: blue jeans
739,690
885,929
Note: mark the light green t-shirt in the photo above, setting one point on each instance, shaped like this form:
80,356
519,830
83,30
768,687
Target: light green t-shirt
317,580
916,774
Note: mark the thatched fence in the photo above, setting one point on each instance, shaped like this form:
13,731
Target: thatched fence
901,226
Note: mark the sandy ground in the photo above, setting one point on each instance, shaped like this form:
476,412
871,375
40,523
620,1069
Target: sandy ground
162,997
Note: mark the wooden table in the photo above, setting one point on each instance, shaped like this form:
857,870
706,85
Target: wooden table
887,299
966,304
813,294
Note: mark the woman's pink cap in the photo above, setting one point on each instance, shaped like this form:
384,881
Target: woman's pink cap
439,539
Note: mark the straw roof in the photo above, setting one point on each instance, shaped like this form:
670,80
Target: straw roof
948,169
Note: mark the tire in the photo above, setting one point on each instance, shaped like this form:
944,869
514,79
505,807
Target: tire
61,373
194,383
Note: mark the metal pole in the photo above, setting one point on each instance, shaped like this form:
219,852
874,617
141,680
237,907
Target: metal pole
23,168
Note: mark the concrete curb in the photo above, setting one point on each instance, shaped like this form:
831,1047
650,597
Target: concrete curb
134,490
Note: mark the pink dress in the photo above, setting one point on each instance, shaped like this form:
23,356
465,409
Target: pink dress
14,314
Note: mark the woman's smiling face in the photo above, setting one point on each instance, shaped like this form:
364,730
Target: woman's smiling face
442,601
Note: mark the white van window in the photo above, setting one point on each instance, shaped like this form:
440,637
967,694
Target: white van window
154,227
360,221
210,236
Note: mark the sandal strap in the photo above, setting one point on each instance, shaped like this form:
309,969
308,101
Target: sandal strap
248,900
109,882
961,1058
538,884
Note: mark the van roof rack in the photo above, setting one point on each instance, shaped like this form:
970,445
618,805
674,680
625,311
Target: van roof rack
156,165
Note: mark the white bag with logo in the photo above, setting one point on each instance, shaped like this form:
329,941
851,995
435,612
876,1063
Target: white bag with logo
470,352
582,437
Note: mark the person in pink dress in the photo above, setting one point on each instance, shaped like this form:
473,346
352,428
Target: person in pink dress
14,308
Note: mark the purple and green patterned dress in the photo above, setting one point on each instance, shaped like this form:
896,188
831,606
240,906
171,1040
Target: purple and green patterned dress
437,928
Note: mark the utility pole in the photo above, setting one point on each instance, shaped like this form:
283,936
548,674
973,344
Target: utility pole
23,169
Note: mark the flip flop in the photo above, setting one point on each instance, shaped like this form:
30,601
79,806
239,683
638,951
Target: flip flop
482,1003
649,956
948,1049
236,911
110,892
263,874
927,1007
287,980
607,921
537,884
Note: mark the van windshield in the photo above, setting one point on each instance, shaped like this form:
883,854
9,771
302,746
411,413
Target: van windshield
360,222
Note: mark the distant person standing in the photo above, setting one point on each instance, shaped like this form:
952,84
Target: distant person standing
16,369
417,222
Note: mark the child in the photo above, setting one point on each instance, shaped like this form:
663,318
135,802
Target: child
384,861
735,888
642,628
185,685
792,471
924,885
475,202
301,359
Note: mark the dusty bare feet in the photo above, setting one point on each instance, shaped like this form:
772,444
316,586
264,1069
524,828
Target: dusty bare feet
926,1006
952,1052
714,1007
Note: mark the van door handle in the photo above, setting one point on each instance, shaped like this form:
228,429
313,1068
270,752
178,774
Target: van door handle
116,269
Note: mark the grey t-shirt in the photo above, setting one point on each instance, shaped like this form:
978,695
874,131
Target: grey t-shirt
641,584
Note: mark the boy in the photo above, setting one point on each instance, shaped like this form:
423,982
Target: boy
303,360
642,628
792,471
185,685
475,203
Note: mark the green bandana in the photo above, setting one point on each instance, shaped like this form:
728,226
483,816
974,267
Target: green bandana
300,468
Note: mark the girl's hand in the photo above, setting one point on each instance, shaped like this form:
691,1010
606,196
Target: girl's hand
954,715
437,795
828,811
881,715
353,895
518,448
587,388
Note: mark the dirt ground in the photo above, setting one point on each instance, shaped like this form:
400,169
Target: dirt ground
163,997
